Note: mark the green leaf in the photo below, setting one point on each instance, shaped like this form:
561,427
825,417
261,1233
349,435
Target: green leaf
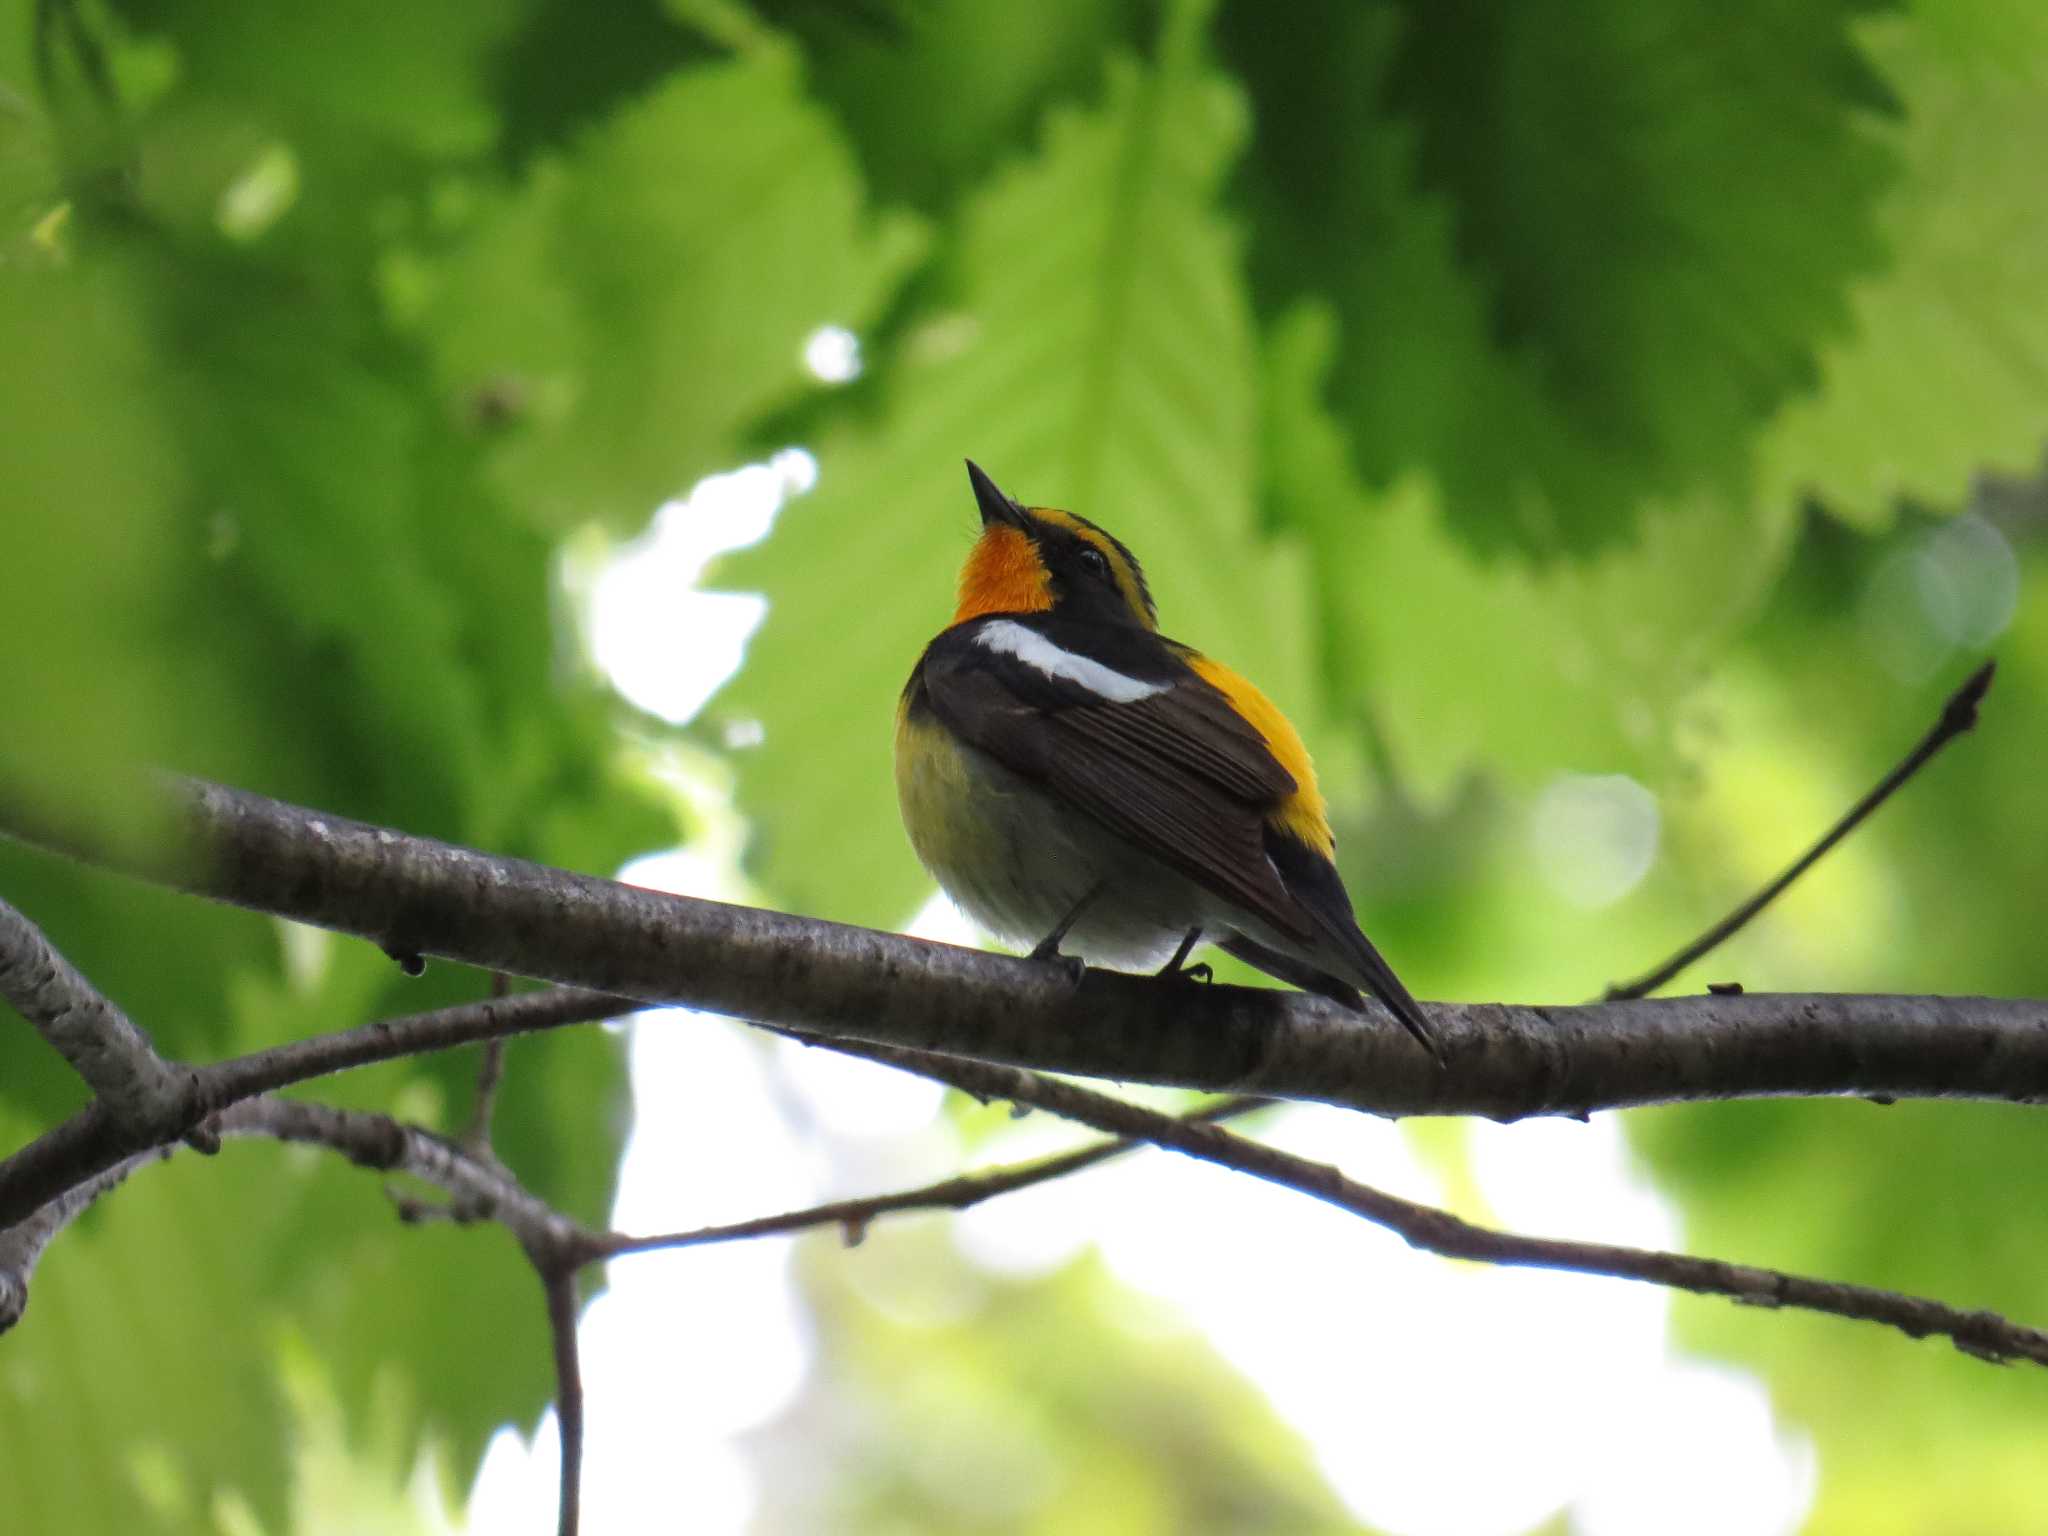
1099,356
348,74
1464,665
142,1384
1917,1196
642,298
248,540
102,547
128,1398
562,73
981,78
455,1313
1558,245
1946,371
1909,1435
95,540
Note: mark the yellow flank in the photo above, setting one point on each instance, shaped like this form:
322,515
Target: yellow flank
1303,813
943,811
1003,574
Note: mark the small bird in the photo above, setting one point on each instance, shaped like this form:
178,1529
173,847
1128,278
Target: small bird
1071,776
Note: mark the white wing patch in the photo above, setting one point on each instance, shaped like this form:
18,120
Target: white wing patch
1007,637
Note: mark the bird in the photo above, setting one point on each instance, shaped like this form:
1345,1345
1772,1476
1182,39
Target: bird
1077,782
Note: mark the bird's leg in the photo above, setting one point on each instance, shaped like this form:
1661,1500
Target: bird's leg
1048,948
1178,965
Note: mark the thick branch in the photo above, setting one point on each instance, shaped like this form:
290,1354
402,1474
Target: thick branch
413,894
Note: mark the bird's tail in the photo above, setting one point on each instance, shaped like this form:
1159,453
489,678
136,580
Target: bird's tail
1381,981
1373,971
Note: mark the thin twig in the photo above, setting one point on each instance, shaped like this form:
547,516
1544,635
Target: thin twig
413,1034
480,1187
384,1145
1985,1335
1958,715
559,1281
490,1072
959,1193
92,1141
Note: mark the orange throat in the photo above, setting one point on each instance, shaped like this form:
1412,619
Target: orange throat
1003,574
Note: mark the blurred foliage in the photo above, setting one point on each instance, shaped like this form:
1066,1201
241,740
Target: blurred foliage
1515,396
937,1404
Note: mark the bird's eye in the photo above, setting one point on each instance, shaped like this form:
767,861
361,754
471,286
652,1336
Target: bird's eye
1095,563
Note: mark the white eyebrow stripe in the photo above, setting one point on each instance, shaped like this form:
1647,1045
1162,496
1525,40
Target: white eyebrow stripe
1006,637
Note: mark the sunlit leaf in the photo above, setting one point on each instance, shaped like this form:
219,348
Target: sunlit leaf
1581,667
128,1315
1946,370
644,296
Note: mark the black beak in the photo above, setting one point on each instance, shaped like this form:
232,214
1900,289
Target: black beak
995,506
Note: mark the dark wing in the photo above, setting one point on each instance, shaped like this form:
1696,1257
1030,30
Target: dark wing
1296,973
1315,883
1178,773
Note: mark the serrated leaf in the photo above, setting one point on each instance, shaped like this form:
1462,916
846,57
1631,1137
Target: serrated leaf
143,1381
1464,665
645,296
1558,245
1100,357
1946,371
127,1317
982,77
561,73
455,1312
246,539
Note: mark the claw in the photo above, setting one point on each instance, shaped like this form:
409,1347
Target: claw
1178,966
1047,951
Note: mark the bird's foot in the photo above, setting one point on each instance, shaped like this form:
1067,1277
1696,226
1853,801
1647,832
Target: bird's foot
1178,966
1048,951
